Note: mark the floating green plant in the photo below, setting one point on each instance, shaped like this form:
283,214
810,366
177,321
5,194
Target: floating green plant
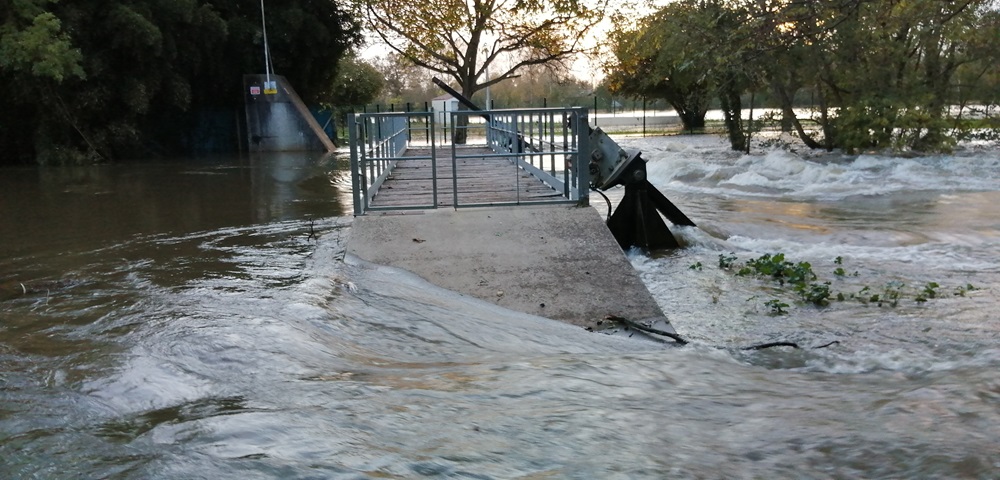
801,279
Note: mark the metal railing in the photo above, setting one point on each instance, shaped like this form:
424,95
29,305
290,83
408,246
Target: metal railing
549,144
378,142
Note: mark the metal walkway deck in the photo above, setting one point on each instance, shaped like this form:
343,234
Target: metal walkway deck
401,161
479,176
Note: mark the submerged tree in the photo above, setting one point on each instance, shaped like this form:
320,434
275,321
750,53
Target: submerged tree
690,52
883,74
462,40
660,58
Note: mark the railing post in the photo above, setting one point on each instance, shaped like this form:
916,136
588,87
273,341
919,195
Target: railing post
555,130
454,160
582,164
352,131
434,178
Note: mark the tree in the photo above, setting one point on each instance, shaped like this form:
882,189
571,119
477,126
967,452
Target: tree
33,43
687,53
404,81
118,79
463,39
538,86
883,72
357,83
658,58
34,50
725,29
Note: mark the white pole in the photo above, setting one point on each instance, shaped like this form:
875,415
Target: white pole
267,53
489,100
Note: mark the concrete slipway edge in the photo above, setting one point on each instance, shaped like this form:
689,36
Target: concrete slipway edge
558,262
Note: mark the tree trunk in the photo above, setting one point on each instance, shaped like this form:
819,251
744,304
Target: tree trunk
732,109
829,132
691,104
788,114
461,126
462,121
940,67
691,120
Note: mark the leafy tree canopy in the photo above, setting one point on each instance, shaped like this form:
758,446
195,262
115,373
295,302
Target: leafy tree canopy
33,43
357,83
99,80
463,39
884,74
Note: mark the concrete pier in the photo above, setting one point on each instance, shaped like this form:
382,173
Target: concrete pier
555,261
277,120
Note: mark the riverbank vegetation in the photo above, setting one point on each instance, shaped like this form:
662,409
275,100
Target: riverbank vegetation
88,81
877,75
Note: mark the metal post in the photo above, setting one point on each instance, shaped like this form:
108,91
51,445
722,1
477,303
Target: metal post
352,130
427,124
582,158
595,110
552,143
643,116
408,123
434,180
450,127
267,50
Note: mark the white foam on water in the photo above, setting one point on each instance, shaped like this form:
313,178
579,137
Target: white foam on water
705,165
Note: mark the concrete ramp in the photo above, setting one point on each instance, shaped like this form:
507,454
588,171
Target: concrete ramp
277,120
558,262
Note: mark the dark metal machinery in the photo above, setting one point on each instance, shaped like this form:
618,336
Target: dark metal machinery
636,222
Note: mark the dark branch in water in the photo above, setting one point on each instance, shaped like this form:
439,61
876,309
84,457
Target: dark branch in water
312,231
770,345
679,339
647,329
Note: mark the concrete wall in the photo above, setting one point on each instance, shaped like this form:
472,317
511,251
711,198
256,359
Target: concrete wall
277,120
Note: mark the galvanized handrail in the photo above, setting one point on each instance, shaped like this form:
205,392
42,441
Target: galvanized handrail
385,138
558,135
551,144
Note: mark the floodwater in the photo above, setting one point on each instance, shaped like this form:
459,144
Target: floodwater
199,319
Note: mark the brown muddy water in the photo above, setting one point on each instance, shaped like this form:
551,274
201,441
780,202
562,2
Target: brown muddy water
197,319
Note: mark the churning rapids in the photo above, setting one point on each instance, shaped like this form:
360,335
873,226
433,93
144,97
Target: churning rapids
199,320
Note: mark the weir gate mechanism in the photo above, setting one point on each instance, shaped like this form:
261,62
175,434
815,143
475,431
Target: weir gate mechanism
555,153
635,222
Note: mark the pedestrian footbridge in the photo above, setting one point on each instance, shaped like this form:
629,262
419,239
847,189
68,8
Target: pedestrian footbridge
408,161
